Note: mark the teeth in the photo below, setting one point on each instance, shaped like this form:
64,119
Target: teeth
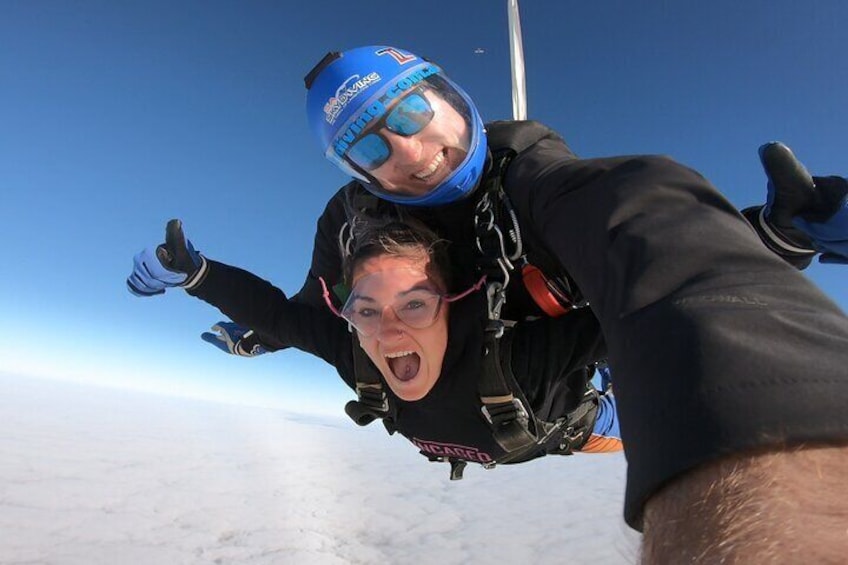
431,168
398,354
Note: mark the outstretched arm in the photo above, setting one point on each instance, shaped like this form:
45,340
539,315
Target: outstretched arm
243,297
326,263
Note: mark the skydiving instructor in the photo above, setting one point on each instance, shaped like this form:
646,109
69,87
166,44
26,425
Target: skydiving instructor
720,348
729,365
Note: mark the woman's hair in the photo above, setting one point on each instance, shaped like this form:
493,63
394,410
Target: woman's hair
374,237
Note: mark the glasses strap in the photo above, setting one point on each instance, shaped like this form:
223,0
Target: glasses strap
326,294
474,288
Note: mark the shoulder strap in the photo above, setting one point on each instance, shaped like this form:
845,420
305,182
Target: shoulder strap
504,406
372,402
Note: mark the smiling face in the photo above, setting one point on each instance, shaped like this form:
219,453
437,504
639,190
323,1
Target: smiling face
409,358
420,162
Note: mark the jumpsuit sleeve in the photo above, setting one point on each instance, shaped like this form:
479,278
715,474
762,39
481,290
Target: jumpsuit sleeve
253,302
717,345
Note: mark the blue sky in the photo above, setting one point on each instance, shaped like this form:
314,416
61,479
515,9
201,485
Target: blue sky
116,116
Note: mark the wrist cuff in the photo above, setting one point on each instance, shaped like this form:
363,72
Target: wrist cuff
775,238
199,275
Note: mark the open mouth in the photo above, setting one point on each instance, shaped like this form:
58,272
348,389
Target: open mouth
432,167
404,365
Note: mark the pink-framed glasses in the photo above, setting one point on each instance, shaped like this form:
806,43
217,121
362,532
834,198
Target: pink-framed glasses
417,308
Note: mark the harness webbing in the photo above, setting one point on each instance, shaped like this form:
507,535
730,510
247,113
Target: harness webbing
507,414
372,402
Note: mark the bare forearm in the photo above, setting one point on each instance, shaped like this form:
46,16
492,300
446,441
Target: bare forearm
778,506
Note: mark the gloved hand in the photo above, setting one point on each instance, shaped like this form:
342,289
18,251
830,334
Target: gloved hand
174,263
826,223
803,214
235,339
791,190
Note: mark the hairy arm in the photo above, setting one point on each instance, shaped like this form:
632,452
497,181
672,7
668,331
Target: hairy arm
774,506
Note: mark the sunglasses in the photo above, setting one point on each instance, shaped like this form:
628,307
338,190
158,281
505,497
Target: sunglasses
417,309
408,117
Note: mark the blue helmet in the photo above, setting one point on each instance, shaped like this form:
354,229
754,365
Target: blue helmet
360,105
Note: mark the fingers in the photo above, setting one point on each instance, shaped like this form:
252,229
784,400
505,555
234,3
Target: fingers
830,199
218,340
135,287
225,331
209,337
149,276
214,338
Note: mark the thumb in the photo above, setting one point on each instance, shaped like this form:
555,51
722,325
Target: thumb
167,252
177,252
175,241
217,340
791,187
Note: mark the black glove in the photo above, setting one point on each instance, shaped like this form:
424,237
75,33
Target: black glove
802,212
791,190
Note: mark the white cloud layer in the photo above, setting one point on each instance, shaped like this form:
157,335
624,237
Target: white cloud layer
94,475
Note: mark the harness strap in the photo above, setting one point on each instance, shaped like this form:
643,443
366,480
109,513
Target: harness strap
372,402
579,423
508,416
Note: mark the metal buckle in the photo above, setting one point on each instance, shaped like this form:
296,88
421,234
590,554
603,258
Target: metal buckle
521,414
370,398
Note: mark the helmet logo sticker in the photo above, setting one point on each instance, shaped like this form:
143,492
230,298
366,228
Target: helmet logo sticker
349,89
401,58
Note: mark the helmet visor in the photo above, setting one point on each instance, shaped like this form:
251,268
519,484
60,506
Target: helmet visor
407,142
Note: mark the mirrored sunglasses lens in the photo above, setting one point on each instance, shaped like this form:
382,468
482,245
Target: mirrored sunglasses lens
410,115
369,152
